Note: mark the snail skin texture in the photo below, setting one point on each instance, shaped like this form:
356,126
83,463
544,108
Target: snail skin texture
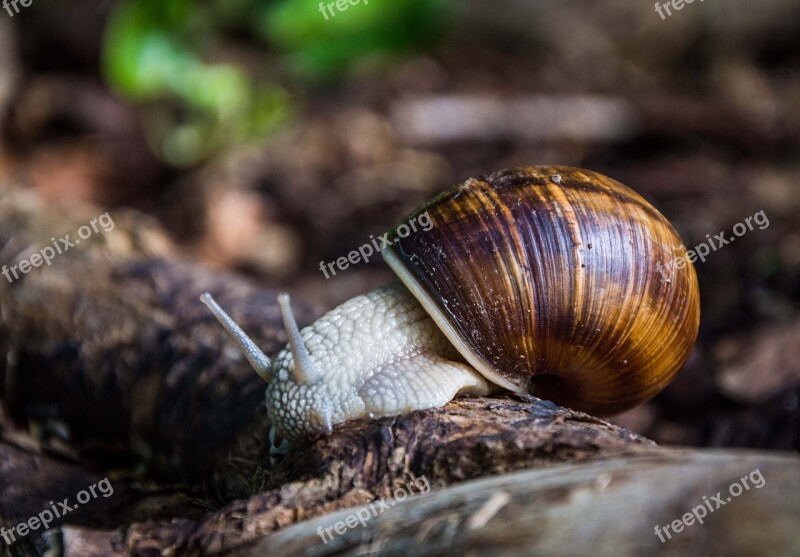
532,279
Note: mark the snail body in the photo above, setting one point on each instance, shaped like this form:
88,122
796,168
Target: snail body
532,279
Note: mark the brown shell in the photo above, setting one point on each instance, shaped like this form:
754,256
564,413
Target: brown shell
545,279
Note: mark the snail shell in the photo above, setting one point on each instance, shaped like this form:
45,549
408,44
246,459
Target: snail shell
537,279
545,281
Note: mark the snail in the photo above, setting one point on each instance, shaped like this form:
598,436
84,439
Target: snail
531,279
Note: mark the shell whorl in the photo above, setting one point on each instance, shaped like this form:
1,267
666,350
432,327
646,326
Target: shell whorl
545,279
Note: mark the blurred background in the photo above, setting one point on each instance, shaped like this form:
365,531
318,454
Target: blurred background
266,137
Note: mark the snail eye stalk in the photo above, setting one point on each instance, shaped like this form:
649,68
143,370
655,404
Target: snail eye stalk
304,371
260,362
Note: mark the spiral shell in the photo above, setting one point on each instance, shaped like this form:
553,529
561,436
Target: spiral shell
545,280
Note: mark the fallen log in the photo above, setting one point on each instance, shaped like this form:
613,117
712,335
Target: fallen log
677,502
638,505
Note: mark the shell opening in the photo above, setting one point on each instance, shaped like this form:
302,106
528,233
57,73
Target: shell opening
444,325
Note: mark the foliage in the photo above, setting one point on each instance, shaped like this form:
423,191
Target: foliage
320,47
156,54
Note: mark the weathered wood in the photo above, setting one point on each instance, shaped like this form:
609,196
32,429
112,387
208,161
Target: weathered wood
364,461
611,505
367,460
607,507
114,361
